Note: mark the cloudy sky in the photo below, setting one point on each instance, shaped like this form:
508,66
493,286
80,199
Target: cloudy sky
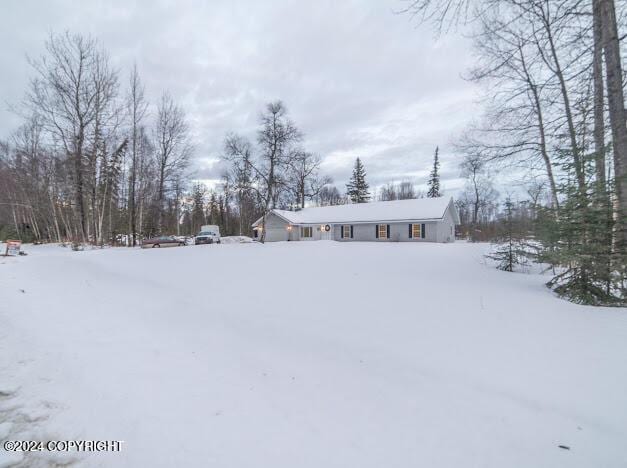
358,79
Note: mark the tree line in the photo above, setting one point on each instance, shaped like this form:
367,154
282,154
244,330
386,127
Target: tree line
553,75
90,163
95,162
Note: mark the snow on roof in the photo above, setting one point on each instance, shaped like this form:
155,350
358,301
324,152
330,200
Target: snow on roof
397,210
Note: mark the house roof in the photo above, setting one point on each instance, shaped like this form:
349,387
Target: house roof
422,209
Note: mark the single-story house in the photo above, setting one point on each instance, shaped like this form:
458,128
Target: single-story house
416,220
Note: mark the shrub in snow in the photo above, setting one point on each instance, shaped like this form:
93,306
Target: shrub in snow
511,250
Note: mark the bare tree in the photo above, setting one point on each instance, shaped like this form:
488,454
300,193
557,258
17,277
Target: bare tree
146,175
553,18
329,195
616,108
243,178
64,93
599,117
276,138
480,192
64,173
304,180
522,94
402,191
406,191
388,192
443,13
104,149
173,149
264,173
136,108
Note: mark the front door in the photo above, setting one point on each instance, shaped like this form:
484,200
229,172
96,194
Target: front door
326,232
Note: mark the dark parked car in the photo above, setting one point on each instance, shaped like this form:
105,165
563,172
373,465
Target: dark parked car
165,241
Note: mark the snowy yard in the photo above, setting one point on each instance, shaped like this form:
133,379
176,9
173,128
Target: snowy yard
306,355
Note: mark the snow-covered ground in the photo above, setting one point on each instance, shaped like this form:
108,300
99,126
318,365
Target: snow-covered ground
235,239
306,355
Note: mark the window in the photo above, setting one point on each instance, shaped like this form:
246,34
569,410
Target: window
346,231
416,231
306,231
383,231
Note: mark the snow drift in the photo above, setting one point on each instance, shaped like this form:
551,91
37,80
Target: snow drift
306,355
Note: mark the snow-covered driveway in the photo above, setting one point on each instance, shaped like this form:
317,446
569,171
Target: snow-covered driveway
306,355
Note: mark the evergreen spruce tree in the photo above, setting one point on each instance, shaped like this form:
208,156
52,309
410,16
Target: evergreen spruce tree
214,215
198,208
581,254
510,251
357,188
434,177
577,243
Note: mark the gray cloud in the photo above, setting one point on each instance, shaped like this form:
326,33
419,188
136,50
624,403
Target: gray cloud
358,79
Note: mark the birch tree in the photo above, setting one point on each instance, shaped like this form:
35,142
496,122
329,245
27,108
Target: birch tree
173,149
137,109
63,94
616,108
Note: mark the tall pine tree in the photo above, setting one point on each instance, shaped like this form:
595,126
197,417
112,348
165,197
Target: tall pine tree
357,188
434,177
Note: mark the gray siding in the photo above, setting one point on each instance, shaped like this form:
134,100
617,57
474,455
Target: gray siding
317,232
399,232
446,228
276,229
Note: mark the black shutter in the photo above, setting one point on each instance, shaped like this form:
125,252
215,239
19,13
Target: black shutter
351,231
410,231
422,231
388,233
341,232
376,231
